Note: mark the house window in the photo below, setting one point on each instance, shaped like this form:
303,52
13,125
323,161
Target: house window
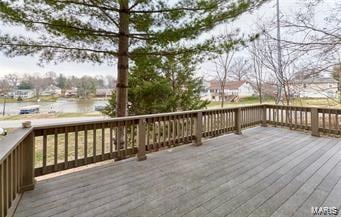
330,85
304,85
213,97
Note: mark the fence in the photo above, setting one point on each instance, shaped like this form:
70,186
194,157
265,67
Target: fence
46,149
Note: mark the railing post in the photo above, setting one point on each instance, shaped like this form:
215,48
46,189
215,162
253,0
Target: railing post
314,122
238,120
264,124
141,140
28,162
198,129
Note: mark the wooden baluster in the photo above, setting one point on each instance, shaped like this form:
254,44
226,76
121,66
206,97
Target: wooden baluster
226,125
10,178
183,129
330,121
133,134
103,141
66,142
337,122
55,150
323,120
126,141
5,192
21,181
212,123
85,145
168,131
164,119
158,132
178,129
191,126
205,124
153,134
264,122
44,151
94,143
301,119
111,139
76,146
277,116
148,135
2,190
16,170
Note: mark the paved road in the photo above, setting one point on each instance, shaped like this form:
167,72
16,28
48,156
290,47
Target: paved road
36,122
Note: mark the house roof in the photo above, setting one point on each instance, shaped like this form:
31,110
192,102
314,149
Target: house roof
231,85
319,80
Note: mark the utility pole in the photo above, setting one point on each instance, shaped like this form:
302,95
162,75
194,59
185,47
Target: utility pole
279,58
4,107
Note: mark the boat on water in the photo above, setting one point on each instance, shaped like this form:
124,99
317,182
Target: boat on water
33,109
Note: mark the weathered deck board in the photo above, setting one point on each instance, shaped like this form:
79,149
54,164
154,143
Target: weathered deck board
264,172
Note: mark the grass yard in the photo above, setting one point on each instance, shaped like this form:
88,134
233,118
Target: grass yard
243,101
298,102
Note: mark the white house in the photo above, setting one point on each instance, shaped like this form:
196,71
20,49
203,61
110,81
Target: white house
104,92
316,87
213,91
52,90
24,94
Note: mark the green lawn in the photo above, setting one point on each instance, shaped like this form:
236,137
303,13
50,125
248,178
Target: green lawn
243,101
297,102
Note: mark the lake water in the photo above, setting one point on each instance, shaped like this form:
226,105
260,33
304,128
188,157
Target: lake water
61,105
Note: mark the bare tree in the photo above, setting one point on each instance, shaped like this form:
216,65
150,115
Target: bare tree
222,64
12,80
257,75
240,68
323,37
290,59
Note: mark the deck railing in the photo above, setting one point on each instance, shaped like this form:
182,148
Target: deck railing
46,149
16,168
63,146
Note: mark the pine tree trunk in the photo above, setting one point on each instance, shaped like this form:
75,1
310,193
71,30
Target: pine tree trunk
122,68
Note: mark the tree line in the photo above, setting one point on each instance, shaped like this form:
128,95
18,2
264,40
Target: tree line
85,85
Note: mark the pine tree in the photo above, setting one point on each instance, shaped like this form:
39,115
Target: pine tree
106,30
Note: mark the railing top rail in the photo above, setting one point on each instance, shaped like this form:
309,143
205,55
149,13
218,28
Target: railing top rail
12,140
130,118
306,107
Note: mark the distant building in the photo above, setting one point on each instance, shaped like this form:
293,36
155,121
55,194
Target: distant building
52,90
24,94
104,92
316,87
71,92
212,90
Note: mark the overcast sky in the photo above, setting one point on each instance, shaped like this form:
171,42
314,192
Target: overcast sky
21,65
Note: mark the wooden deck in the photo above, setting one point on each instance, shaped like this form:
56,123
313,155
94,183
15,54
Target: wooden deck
264,172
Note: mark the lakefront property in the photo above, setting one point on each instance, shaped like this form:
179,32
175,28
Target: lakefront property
195,108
